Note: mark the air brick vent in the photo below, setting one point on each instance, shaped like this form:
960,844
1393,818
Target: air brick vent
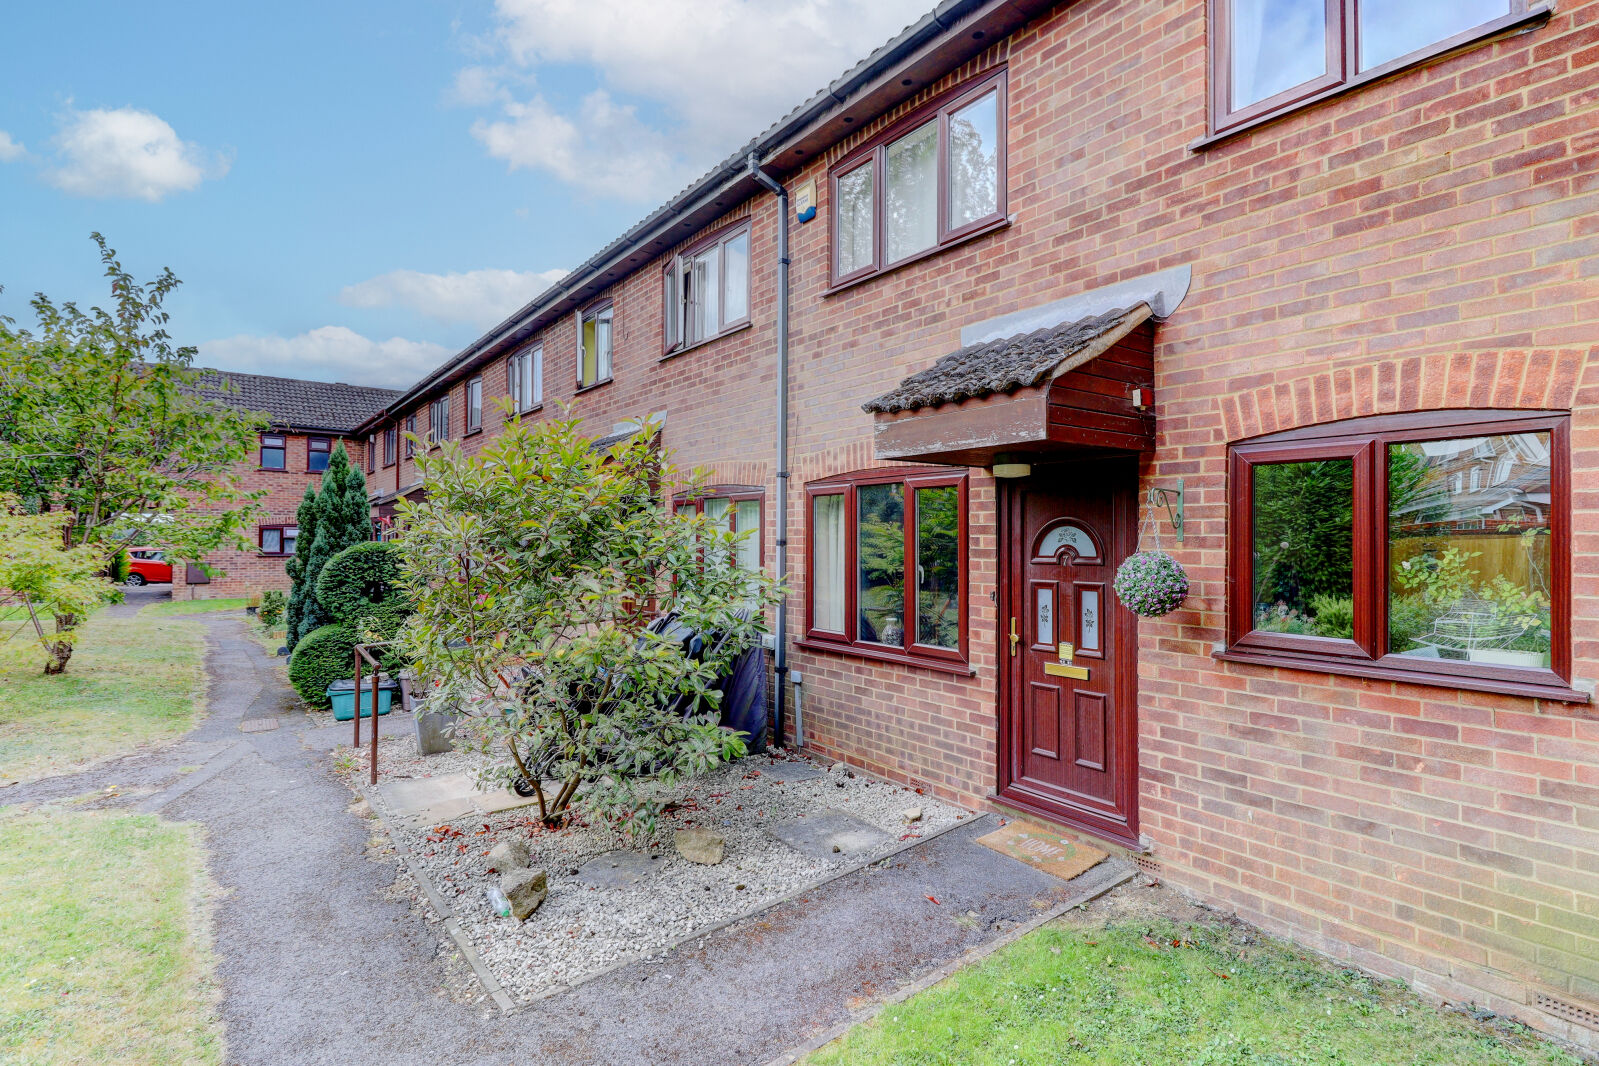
1587,1017
1147,863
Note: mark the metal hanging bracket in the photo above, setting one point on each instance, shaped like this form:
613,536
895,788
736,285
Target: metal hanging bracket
1172,501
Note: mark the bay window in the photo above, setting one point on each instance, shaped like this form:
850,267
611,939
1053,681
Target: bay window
524,374
594,346
886,566
1430,547
706,289
1271,55
930,180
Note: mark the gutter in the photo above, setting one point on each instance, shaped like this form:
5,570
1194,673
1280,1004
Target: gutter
780,657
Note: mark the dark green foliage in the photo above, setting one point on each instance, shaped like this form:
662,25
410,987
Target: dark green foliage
121,566
1335,616
342,519
305,518
358,580
322,656
1304,535
273,604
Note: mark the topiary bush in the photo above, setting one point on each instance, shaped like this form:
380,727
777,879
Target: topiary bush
323,656
359,580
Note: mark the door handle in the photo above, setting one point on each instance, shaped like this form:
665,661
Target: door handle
1014,638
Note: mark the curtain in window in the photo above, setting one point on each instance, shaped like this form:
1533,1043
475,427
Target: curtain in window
910,202
827,560
748,519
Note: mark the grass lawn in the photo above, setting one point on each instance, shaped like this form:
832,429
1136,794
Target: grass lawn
106,960
1150,991
170,607
131,681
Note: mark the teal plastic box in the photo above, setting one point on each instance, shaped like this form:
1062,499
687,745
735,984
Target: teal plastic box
342,694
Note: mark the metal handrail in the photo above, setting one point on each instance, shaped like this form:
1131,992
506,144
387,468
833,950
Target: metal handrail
361,653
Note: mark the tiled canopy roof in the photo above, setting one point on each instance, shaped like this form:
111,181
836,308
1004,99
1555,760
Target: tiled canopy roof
1008,364
290,402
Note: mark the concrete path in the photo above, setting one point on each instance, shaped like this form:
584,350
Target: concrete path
320,963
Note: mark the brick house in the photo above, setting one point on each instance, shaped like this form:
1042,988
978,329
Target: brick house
1330,289
306,419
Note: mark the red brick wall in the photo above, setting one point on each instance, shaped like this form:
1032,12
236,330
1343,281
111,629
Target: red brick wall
247,572
1427,241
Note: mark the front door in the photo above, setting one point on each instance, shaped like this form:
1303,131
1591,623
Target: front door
1068,745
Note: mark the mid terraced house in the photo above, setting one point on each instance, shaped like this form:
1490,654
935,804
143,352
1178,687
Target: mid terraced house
1307,292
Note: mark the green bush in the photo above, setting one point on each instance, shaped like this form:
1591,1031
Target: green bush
273,605
1335,616
324,656
121,566
359,580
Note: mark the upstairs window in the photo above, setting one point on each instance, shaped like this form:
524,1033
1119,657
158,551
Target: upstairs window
391,442
887,566
371,452
410,435
524,373
317,451
474,405
932,179
439,420
707,289
274,451
1432,548
1271,55
594,355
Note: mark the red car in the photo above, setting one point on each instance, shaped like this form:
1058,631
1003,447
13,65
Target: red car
145,566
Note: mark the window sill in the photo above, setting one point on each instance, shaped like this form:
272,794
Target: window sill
728,332
275,470
472,433
591,386
535,409
273,555
1500,27
1537,684
937,249
887,655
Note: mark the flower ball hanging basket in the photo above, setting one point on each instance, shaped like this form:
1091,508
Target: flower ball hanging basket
1151,584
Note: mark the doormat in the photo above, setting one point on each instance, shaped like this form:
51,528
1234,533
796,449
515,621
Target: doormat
1046,849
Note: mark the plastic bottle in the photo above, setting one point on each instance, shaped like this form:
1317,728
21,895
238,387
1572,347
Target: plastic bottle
497,901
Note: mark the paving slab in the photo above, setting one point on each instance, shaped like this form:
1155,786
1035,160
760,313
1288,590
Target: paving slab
617,869
829,835
791,770
501,800
429,800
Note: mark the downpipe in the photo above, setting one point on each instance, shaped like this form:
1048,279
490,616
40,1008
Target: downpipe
780,637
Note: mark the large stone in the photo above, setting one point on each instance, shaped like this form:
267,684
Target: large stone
527,890
508,855
911,814
700,845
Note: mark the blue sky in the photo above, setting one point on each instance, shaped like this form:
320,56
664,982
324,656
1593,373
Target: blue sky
351,191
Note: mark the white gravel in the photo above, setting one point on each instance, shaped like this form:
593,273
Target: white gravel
584,928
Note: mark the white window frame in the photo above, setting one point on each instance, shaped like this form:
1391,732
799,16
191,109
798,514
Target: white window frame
678,300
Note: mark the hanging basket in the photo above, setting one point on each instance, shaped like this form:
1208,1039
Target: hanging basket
1151,583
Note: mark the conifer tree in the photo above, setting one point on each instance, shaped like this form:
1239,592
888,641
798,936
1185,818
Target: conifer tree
305,518
341,520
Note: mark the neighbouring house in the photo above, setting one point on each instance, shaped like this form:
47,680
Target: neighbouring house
1306,294
307,419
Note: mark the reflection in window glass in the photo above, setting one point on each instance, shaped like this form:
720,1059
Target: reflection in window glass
736,278
855,220
1276,45
880,555
702,284
938,567
1304,548
1393,28
974,161
827,560
1468,549
910,187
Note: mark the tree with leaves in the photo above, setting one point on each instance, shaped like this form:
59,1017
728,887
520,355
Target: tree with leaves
41,575
102,418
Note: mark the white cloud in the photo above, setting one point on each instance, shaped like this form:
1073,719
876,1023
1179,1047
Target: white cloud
128,153
328,353
721,71
10,150
481,297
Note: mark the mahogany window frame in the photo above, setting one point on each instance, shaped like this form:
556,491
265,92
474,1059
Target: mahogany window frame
874,152
391,445
1365,441
674,312
312,449
733,494
280,529
1343,60
949,660
371,453
282,447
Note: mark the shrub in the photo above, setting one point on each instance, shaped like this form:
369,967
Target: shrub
1335,616
273,605
323,656
359,580
121,566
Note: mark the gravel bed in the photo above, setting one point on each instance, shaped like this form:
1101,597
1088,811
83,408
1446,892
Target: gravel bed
584,927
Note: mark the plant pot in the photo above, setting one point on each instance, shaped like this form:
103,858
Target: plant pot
435,732
1507,657
251,610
